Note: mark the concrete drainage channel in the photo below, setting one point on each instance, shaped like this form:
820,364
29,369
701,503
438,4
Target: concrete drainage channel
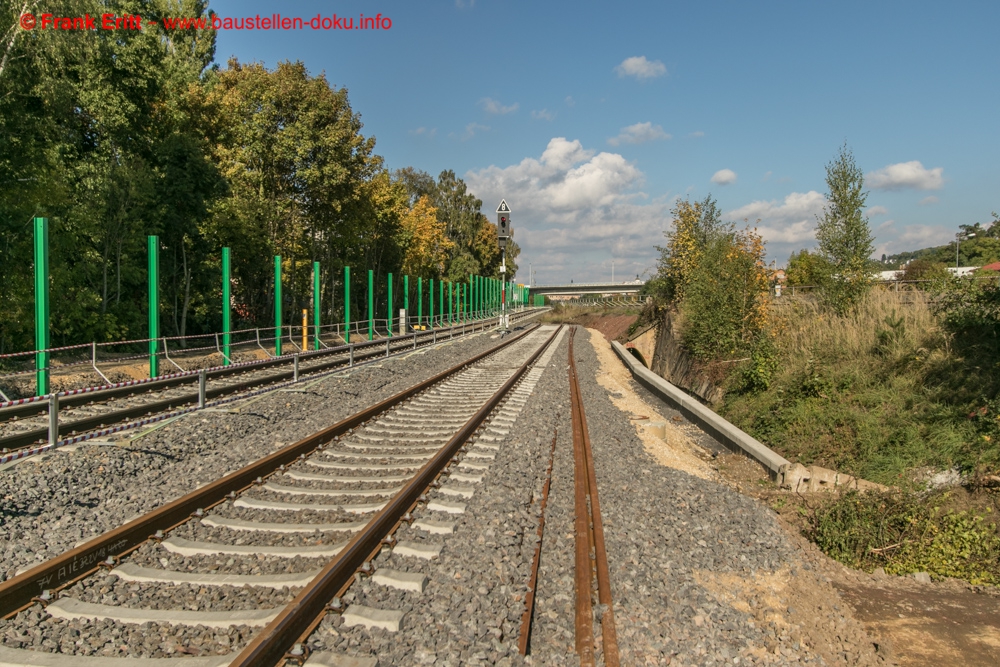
261,531
85,410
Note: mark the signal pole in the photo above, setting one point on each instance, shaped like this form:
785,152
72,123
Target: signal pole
504,232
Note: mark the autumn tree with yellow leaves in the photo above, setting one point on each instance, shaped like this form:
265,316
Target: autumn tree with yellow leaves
425,240
716,277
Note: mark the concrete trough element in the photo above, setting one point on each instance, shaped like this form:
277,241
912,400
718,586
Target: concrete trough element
732,437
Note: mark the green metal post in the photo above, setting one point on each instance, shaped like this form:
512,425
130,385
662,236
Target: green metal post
226,307
316,305
390,305
371,304
451,303
406,295
420,300
430,302
41,306
153,247
441,300
277,305
347,304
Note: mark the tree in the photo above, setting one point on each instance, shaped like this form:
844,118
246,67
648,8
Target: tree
427,245
806,268
845,239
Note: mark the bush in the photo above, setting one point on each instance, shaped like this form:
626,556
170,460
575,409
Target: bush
905,533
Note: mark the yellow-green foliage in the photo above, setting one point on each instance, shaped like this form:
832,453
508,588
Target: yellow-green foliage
905,533
877,392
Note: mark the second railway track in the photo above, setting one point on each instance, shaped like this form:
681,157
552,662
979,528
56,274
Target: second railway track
23,425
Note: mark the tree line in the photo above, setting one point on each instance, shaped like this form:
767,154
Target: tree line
117,135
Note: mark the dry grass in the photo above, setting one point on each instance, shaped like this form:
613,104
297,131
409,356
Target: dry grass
805,329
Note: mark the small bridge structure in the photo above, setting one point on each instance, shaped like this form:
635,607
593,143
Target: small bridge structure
579,289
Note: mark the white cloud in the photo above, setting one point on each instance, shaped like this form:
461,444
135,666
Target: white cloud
573,209
872,211
767,177
922,236
929,200
724,177
472,128
641,68
570,102
424,131
544,114
639,133
906,175
491,105
697,134
791,221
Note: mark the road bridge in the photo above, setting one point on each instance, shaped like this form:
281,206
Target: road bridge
574,289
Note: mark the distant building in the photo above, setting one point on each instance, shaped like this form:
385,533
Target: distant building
995,266
961,271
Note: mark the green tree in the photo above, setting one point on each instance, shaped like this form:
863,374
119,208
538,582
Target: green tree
806,268
845,239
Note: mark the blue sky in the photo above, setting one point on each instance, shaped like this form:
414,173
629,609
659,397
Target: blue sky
592,118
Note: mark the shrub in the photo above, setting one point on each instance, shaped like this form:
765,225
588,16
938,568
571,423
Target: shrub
905,533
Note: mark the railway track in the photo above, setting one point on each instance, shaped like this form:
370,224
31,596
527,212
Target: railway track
245,543
24,426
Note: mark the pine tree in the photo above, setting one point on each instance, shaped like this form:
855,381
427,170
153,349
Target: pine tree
845,239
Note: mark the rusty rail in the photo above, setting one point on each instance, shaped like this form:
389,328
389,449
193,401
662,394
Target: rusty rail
529,599
17,593
303,614
591,555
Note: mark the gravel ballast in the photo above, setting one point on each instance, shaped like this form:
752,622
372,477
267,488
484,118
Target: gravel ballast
700,574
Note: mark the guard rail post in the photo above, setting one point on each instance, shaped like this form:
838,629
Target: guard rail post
202,381
53,418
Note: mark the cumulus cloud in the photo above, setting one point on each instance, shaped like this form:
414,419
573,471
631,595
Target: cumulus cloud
639,133
872,211
929,200
906,175
424,131
641,68
922,236
574,208
724,177
491,105
544,114
790,221
570,102
697,134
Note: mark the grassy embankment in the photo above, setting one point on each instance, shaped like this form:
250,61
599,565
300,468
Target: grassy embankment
889,394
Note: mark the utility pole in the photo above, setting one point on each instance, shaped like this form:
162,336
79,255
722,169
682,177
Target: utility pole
959,237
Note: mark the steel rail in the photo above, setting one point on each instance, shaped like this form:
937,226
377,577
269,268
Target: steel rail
26,438
17,593
269,647
524,638
589,538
